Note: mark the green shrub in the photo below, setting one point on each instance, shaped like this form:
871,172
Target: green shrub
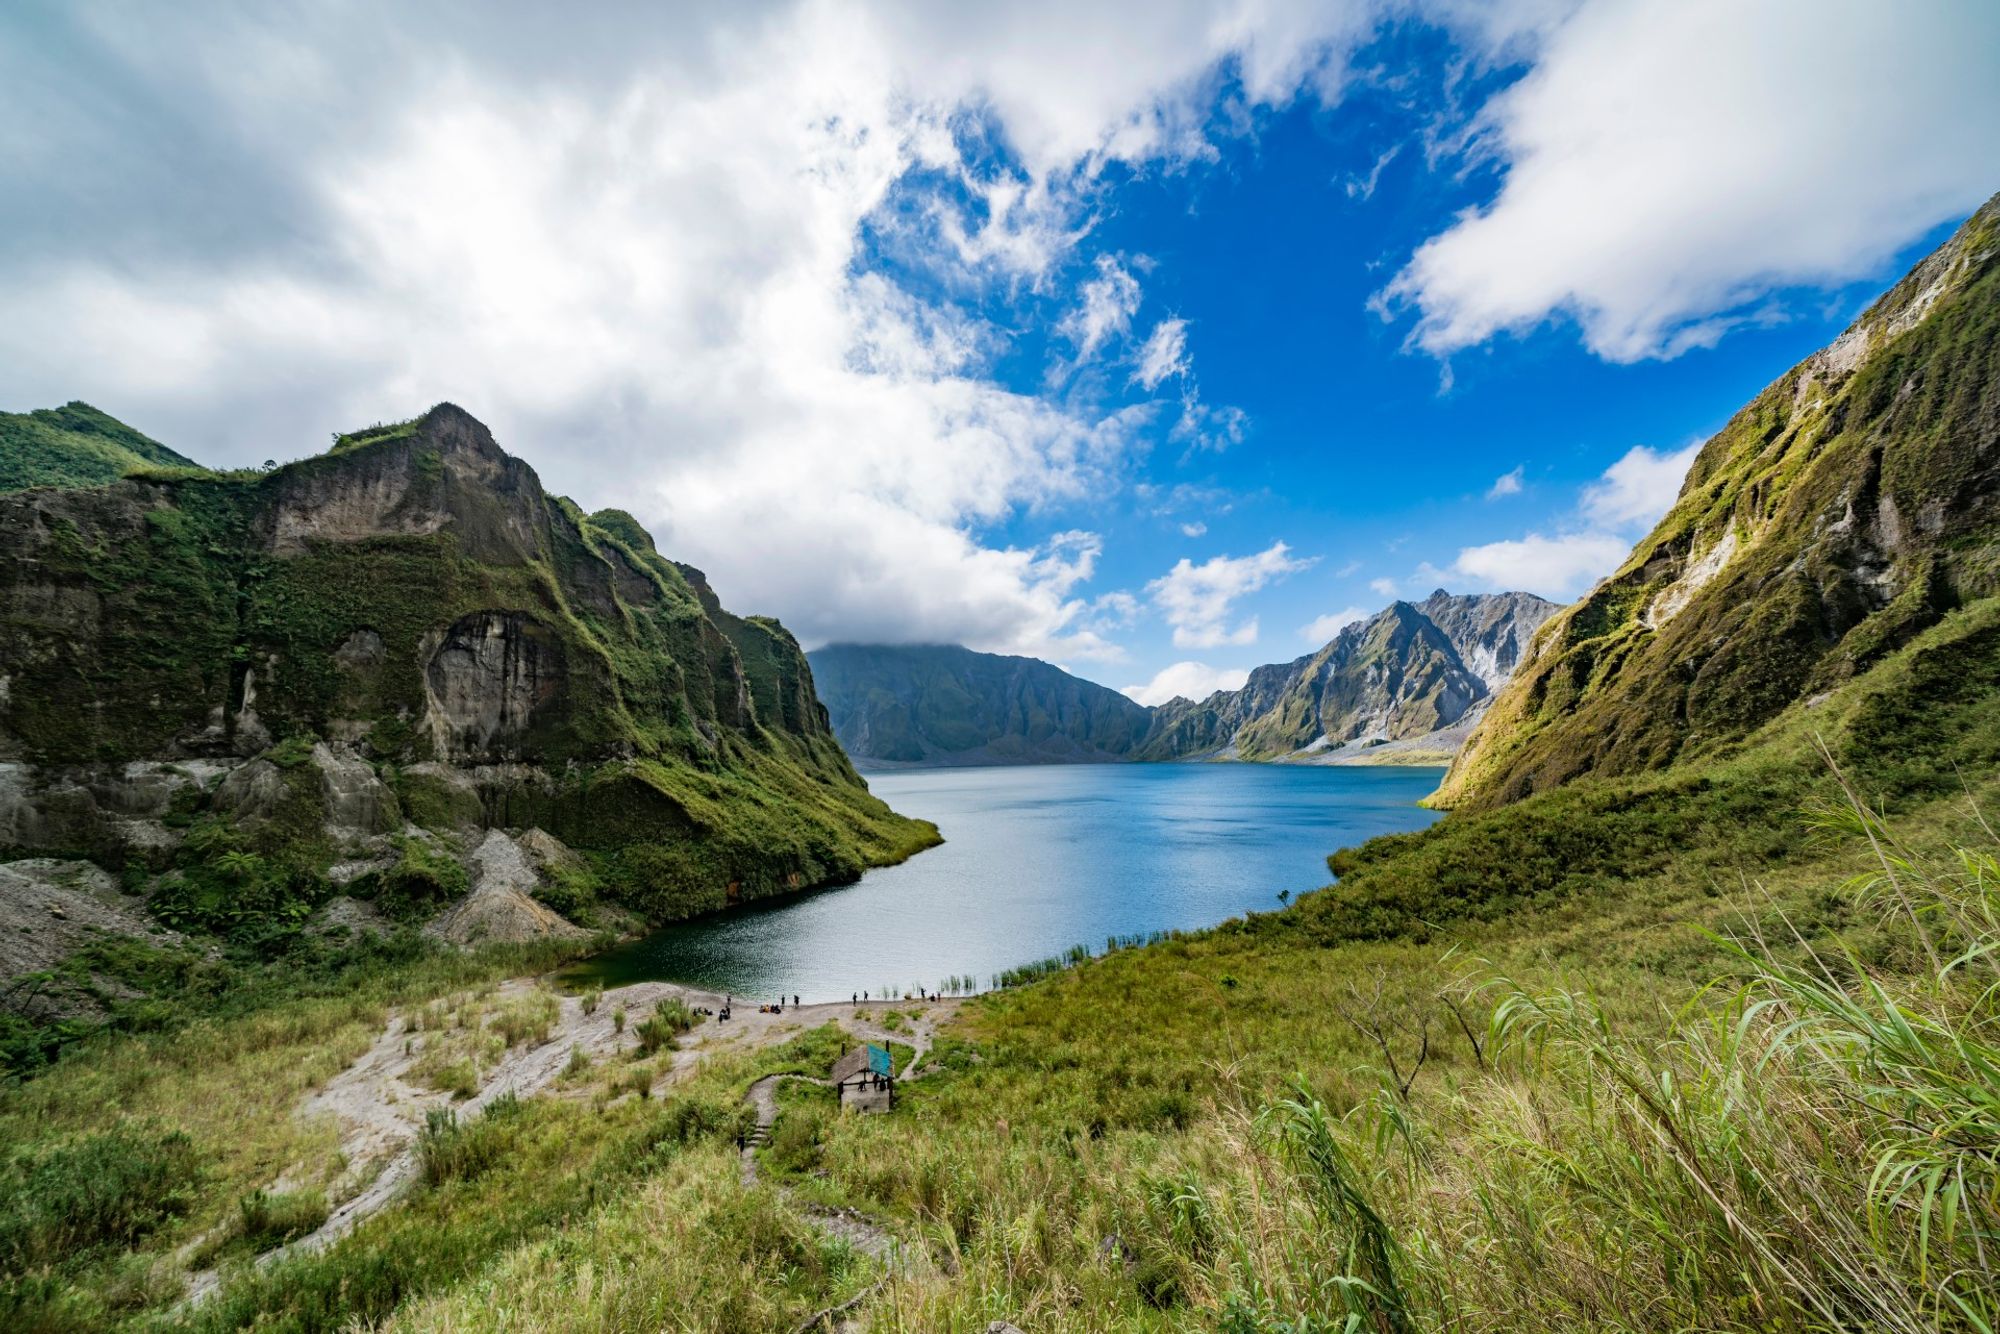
271,1218
686,1120
668,881
424,879
432,803
569,890
451,1148
224,884
795,1145
670,1019
106,1189
525,1018
291,753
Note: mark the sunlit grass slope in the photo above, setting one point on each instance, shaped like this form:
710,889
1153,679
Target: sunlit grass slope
1640,1054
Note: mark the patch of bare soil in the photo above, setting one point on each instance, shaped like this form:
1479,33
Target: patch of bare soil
50,909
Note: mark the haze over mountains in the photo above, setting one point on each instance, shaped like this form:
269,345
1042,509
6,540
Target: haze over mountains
1403,686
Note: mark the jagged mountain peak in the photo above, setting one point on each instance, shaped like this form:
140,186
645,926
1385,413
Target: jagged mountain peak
1408,673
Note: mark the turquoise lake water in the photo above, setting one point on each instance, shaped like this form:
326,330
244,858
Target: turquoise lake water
1035,860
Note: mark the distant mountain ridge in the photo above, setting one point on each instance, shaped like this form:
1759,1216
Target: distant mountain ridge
1404,685
941,704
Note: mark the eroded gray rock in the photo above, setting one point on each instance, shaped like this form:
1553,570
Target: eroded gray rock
252,792
501,907
49,909
486,678
358,804
117,810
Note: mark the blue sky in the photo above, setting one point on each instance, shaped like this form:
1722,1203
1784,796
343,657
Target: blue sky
1152,340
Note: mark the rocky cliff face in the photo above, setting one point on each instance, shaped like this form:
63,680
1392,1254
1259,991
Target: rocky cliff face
1401,685
940,704
377,654
1850,505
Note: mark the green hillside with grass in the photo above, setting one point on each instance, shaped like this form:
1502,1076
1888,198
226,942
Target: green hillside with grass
1846,508
1700,1031
258,698
75,445
1724,1035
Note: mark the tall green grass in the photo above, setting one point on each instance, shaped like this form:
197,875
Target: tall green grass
1813,1143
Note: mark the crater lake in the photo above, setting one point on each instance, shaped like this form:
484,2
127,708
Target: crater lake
1036,860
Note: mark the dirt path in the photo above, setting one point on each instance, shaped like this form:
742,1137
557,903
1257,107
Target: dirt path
379,1107
848,1225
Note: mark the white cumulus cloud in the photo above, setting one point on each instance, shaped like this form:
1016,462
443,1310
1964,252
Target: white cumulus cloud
1556,567
1187,680
1611,513
1506,484
1198,600
1640,487
633,242
1668,163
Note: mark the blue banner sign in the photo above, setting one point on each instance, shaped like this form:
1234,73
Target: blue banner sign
878,1059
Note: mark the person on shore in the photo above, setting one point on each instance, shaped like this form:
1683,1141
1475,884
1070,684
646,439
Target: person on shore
795,1000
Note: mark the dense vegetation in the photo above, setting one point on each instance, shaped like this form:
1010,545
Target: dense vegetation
1705,1045
414,598
1847,507
76,445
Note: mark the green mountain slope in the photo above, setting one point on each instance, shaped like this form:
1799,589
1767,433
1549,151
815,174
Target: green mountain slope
74,445
940,704
1850,505
1504,1075
404,636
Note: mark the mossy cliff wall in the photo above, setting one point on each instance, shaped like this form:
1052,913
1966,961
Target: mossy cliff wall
1851,505
412,600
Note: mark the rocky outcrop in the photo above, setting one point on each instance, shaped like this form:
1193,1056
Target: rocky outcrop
501,908
113,811
49,910
1490,632
1849,506
359,805
485,681
405,633
1400,687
